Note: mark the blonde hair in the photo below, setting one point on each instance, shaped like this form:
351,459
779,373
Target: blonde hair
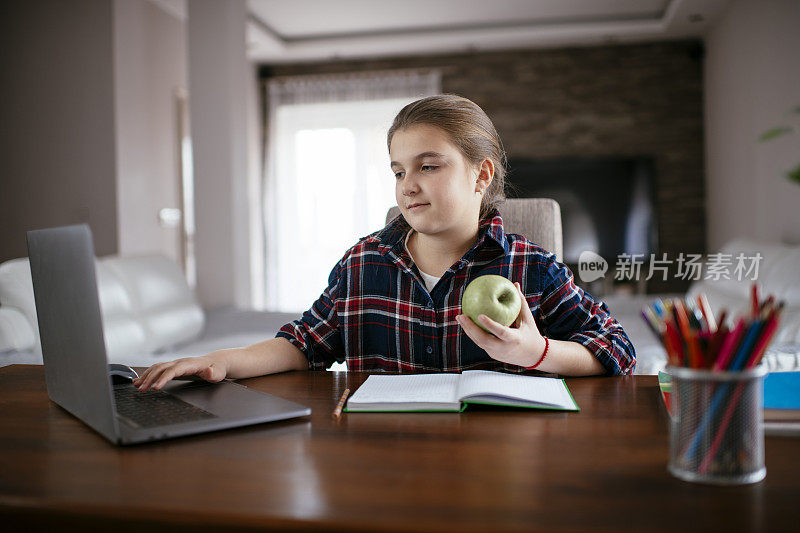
469,128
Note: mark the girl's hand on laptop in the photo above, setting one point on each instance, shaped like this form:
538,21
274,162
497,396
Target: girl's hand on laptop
521,344
206,367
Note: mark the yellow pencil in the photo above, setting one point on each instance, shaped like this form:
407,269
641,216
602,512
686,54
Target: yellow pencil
337,411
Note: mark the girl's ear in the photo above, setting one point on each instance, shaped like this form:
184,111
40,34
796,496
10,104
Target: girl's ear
485,175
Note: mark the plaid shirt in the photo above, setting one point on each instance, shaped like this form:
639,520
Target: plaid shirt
378,316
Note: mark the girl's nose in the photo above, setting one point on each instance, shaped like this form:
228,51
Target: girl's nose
409,186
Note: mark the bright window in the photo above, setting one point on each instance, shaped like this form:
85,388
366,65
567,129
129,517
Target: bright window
330,184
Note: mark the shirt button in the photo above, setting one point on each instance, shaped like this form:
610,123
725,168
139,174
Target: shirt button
429,349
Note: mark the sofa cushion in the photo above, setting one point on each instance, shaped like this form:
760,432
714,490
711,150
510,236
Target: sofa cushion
778,274
161,300
15,331
124,334
16,292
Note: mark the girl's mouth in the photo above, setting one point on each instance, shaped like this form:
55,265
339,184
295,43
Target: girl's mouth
414,207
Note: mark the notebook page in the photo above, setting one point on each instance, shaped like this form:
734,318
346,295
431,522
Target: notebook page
549,391
408,388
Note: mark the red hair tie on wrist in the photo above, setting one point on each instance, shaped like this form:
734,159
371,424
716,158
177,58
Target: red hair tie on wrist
544,354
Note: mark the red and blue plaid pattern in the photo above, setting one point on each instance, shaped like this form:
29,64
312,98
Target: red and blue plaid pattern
377,315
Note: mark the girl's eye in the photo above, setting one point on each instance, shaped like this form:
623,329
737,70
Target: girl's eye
429,168
399,175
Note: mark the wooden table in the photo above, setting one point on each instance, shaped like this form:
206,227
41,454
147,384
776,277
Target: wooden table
603,468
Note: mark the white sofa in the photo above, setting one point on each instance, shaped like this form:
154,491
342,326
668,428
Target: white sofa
149,312
778,274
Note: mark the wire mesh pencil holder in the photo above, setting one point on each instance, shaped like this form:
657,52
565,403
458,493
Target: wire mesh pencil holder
716,431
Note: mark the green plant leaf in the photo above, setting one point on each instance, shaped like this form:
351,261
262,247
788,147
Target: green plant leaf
775,132
794,174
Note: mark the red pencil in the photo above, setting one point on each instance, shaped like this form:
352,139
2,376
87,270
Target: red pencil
717,339
672,354
768,302
754,297
675,338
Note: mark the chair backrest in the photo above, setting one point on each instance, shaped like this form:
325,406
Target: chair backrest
536,219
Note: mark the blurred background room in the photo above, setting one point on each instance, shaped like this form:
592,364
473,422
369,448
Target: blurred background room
225,153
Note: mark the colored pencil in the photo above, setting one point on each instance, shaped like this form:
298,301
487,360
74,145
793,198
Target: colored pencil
746,346
702,301
753,361
754,299
693,337
723,427
337,411
684,329
763,342
717,338
729,346
675,338
653,322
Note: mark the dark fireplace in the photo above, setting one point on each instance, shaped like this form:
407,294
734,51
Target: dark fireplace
607,204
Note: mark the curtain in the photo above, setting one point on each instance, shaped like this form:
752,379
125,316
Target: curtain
327,177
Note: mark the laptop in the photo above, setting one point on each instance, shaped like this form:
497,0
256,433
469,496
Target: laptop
76,365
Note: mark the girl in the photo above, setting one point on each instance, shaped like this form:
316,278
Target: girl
393,300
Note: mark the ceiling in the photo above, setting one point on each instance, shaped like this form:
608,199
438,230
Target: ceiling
281,31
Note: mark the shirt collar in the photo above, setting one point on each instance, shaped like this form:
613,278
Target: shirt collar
490,231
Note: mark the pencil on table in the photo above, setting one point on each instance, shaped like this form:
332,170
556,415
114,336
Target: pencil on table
337,411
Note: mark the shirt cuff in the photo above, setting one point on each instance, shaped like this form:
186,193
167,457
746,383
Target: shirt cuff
615,360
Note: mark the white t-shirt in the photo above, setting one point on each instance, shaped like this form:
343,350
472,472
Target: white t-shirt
430,281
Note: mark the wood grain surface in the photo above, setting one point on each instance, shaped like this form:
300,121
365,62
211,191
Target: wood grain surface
487,469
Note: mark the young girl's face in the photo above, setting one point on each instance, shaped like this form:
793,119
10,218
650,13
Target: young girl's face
436,187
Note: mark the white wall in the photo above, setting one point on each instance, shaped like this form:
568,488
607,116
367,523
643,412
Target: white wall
57,151
149,66
752,77
87,107
218,77
256,247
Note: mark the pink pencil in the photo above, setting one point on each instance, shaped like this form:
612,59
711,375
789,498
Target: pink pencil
729,346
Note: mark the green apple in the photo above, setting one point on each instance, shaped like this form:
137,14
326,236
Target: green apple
493,296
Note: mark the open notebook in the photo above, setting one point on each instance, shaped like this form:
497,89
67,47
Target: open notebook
452,392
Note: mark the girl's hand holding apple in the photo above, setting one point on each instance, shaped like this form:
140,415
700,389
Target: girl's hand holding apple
522,344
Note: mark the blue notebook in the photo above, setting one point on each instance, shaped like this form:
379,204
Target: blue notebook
782,390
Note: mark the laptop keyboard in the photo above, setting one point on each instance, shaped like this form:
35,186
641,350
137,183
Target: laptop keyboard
155,408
